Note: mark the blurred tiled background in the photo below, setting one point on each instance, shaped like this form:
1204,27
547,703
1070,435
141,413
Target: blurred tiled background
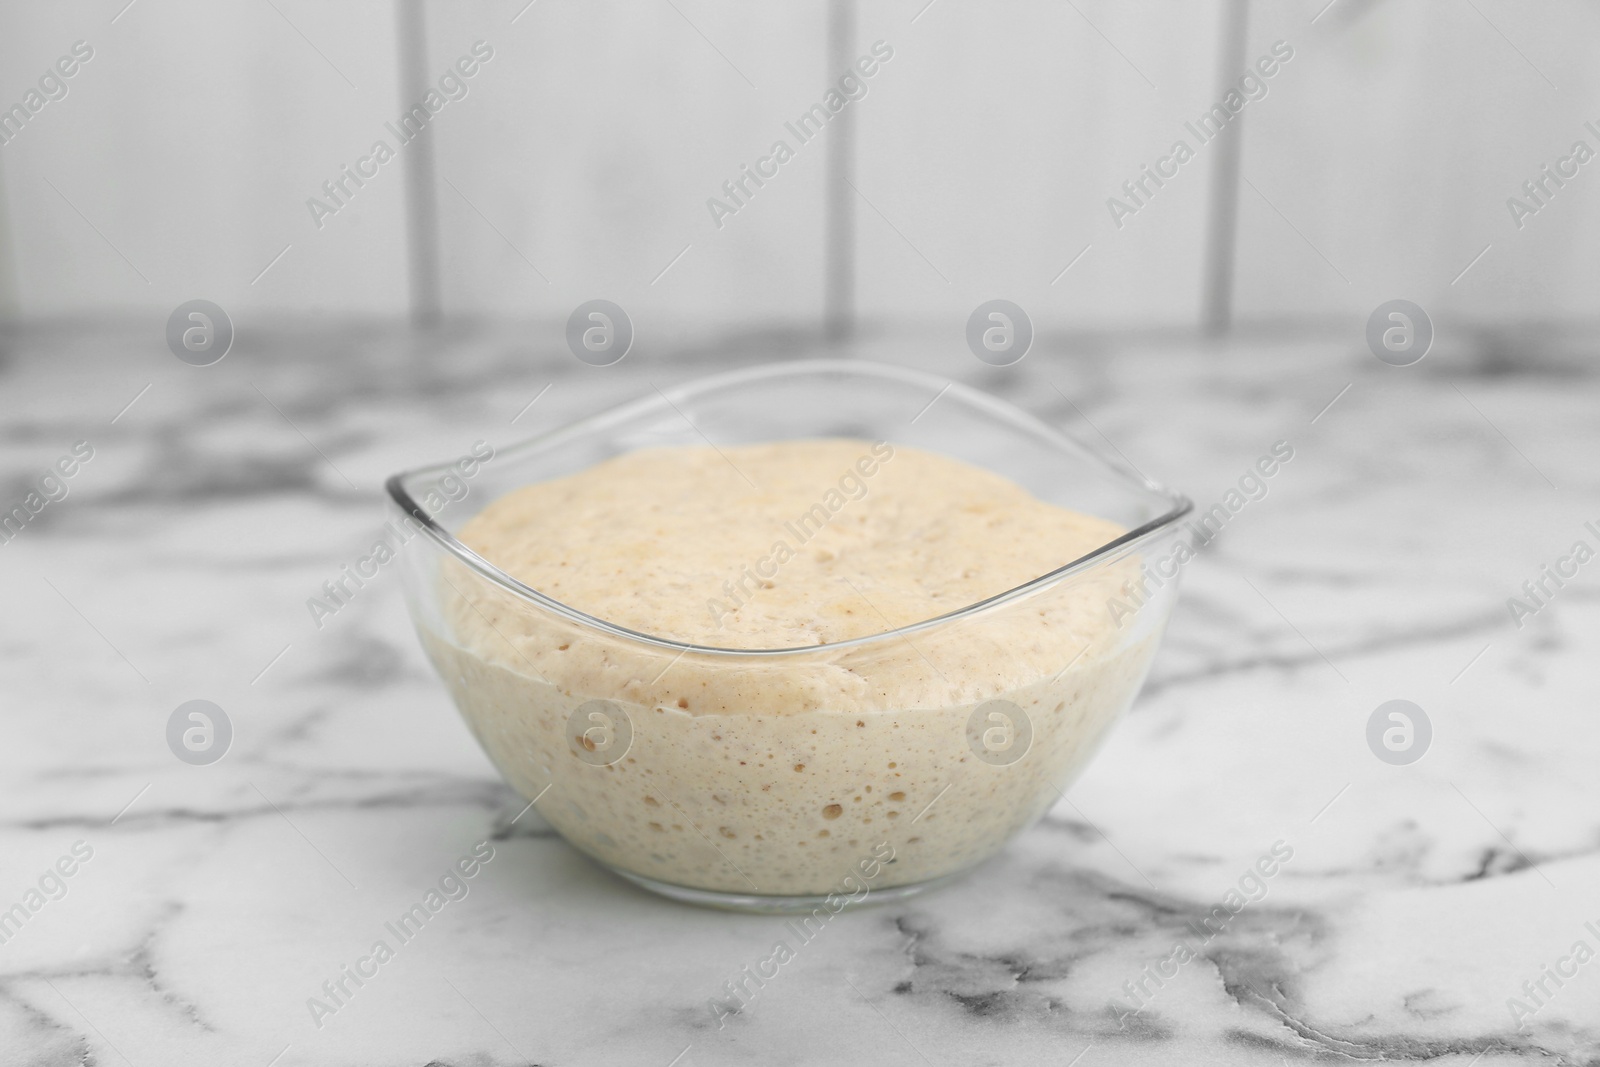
1377,164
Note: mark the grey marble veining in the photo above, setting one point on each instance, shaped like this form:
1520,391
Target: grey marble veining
217,900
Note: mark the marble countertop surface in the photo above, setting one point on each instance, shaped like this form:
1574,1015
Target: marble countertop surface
1429,912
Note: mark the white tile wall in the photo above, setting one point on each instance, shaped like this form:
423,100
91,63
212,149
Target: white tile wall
1378,164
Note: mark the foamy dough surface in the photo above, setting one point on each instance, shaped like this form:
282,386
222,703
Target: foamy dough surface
647,540
668,542
776,775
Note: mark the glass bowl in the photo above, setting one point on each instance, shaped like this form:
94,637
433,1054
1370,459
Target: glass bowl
872,767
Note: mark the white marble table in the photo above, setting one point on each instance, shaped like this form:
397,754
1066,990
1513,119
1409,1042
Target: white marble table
218,899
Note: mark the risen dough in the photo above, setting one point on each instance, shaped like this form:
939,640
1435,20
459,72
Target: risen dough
775,774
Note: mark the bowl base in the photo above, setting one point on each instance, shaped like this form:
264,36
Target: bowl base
765,904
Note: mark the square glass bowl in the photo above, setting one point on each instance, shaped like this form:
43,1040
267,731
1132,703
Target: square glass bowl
871,767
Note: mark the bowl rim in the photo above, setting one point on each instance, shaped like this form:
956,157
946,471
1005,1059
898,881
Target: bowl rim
1179,505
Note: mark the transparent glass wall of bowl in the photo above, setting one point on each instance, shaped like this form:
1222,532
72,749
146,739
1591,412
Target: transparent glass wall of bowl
822,398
